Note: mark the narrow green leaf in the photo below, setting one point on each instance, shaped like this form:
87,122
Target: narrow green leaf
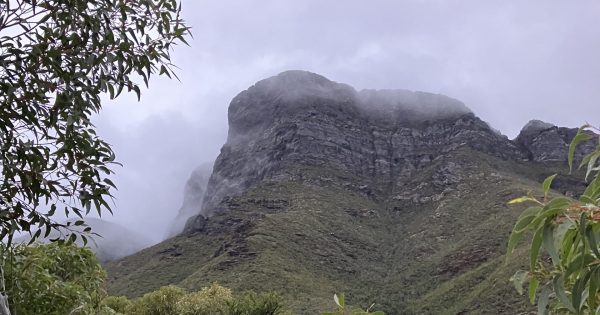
548,243
566,248
136,89
593,289
536,244
577,296
559,235
523,223
543,300
111,90
556,203
590,164
547,183
559,290
533,285
515,237
579,137
591,237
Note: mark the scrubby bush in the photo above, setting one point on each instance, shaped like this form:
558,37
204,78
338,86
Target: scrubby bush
118,304
212,300
256,304
160,302
208,301
53,279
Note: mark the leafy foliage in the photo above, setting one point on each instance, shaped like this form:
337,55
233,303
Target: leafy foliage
343,310
160,302
212,300
209,300
568,232
54,279
57,58
118,304
252,303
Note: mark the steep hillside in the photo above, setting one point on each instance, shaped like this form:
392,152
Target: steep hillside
393,197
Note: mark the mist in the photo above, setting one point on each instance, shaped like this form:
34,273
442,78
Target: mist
506,61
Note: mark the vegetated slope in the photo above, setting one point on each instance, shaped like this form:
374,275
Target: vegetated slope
393,197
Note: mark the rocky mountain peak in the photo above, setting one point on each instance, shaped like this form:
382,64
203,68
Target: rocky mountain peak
299,118
536,126
544,142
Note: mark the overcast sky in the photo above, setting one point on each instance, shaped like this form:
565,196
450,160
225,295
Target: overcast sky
509,61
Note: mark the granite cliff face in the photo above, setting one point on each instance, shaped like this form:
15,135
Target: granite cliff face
546,142
301,118
394,197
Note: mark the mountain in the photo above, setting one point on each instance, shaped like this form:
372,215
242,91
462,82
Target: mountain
391,196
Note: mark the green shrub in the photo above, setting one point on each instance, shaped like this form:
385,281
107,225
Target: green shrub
53,279
212,300
256,304
208,301
160,302
118,304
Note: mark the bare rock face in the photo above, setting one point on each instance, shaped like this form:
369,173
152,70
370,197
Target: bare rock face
300,118
546,142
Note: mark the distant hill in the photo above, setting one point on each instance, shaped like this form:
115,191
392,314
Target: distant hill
394,197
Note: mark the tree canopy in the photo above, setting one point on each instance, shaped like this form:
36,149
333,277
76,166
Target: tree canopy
57,59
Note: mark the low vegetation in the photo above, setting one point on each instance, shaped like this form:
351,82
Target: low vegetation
63,278
342,309
53,279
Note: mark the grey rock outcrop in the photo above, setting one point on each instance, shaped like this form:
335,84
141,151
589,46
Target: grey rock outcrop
545,142
300,118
